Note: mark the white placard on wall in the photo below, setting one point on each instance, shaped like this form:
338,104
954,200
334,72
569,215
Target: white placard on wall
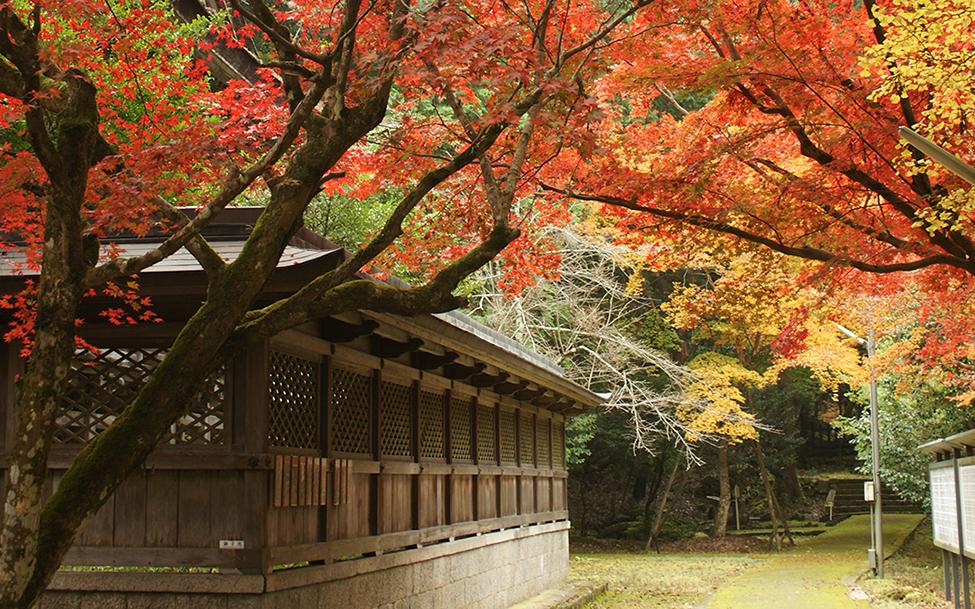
944,510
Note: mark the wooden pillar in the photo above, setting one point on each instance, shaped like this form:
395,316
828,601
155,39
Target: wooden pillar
449,456
415,451
251,415
376,506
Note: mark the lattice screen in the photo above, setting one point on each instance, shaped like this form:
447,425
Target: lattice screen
396,423
431,425
508,439
542,441
293,402
460,428
203,423
101,384
526,433
486,449
351,411
558,447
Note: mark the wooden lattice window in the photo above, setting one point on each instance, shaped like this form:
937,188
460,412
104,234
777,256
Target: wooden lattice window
460,428
101,383
508,439
526,435
486,448
431,425
351,401
542,441
293,402
395,435
203,422
558,445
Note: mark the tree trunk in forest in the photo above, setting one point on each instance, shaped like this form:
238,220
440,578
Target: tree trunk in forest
651,492
790,479
776,514
658,516
775,540
724,496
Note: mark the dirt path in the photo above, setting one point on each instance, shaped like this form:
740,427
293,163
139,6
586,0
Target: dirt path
817,574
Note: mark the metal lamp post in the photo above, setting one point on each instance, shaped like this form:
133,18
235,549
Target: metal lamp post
876,522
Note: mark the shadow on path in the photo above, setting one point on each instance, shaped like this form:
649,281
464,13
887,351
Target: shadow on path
817,574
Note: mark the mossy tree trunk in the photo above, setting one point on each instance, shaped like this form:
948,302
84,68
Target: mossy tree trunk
724,492
67,148
36,534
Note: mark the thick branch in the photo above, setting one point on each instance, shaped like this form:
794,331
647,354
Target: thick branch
807,252
434,297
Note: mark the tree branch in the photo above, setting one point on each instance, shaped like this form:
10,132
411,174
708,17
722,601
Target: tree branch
807,252
233,186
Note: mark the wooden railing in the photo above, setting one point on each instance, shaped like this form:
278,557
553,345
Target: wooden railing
172,516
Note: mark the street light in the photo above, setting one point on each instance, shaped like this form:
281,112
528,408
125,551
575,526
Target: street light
876,524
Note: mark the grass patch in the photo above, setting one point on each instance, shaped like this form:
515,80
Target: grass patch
914,577
656,581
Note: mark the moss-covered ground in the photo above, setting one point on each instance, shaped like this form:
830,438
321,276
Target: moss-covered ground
657,581
914,576
817,574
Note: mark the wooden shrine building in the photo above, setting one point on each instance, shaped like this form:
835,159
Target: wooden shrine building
363,461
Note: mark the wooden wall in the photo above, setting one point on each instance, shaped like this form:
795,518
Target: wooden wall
306,451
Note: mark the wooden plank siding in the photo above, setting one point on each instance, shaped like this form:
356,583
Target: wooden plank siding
331,493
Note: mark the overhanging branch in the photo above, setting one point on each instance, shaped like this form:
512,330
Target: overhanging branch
807,252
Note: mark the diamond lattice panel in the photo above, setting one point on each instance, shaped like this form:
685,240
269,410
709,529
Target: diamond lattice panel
508,439
486,450
396,422
293,391
558,452
351,412
203,422
102,383
541,441
99,385
431,425
526,433
460,429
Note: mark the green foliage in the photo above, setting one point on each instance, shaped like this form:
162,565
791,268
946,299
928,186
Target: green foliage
347,221
910,417
579,431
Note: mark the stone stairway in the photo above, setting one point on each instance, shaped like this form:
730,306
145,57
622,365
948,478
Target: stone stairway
849,500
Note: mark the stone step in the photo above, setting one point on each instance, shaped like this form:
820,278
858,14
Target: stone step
573,595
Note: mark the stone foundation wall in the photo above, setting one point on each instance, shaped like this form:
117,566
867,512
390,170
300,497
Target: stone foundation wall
493,571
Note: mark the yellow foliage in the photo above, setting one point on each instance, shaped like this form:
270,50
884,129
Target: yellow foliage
829,356
718,386
927,55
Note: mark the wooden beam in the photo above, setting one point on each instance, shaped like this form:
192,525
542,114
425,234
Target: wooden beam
339,331
424,360
387,348
506,388
485,379
460,371
545,400
527,395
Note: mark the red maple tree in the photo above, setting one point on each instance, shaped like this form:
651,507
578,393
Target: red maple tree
116,113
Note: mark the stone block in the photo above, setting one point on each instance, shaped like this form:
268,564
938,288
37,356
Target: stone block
60,600
150,601
102,600
453,594
201,601
430,575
